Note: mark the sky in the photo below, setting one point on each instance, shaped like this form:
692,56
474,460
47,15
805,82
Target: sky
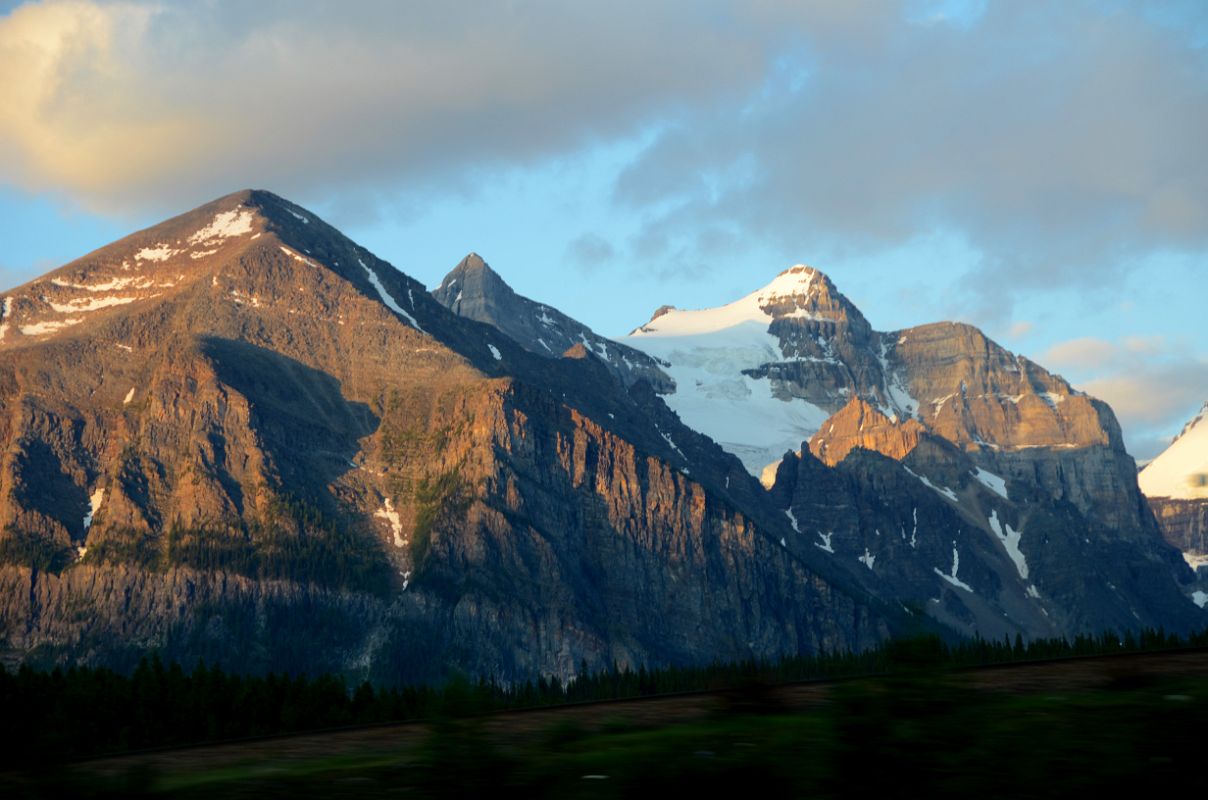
1033,168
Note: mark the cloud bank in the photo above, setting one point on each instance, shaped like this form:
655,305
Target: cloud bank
146,103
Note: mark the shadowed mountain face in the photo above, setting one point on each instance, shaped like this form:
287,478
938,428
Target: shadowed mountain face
239,436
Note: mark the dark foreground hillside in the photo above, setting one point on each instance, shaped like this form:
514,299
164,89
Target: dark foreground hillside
1036,729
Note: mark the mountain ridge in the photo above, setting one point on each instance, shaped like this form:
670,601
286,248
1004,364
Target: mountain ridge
311,436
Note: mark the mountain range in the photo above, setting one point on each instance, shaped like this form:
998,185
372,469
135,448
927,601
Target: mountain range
238,435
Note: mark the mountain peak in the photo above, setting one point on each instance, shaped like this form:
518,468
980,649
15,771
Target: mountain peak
239,237
799,292
1181,471
472,262
472,284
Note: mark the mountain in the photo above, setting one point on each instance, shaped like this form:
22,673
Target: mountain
475,291
238,435
1176,483
930,466
1181,471
982,461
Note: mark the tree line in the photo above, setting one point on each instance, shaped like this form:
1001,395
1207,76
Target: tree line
69,714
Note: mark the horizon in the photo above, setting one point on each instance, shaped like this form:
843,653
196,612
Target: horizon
1030,170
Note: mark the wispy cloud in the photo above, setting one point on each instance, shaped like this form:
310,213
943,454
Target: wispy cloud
1153,386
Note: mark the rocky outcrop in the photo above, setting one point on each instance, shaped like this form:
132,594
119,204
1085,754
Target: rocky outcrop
1184,524
859,425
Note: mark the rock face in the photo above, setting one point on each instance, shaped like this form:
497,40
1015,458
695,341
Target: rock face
475,291
240,436
859,425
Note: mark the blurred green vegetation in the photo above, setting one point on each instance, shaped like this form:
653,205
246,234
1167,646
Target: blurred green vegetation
57,716
914,734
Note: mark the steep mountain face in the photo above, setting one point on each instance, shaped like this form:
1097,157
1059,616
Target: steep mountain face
240,436
475,291
1022,483
1176,483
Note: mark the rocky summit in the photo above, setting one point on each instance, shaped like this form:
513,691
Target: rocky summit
239,436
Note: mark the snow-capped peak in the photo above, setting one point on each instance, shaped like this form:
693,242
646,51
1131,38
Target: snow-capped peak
711,352
1181,471
794,287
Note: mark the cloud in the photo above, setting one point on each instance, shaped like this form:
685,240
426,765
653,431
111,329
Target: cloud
1020,329
1152,386
144,103
1062,140
1085,353
589,251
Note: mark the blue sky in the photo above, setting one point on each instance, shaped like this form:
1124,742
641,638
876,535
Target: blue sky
1033,168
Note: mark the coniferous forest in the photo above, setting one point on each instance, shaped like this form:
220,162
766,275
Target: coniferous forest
67,715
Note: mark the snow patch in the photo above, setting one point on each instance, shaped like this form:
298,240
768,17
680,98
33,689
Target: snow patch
1010,539
129,397
1196,560
1052,398
868,559
89,304
826,541
788,512
499,356
387,299
1199,598
161,252
296,215
388,513
8,311
767,476
991,482
952,579
43,328
94,505
224,225
942,491
134,281
667,438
